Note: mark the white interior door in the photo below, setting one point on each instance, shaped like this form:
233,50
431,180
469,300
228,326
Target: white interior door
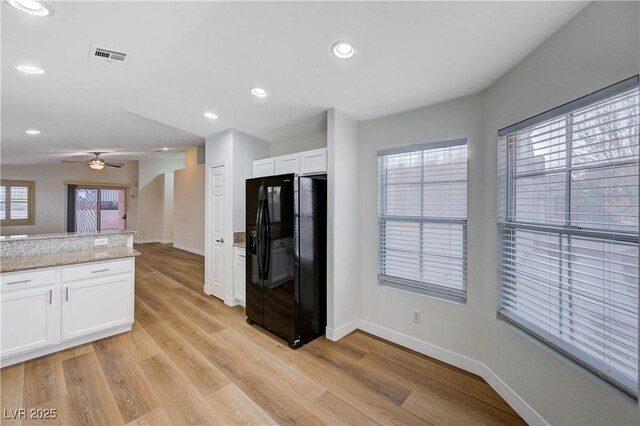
217,187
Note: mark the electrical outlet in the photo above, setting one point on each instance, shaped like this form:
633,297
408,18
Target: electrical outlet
416,317
101,241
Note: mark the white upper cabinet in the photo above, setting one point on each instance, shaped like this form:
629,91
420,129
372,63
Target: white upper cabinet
264,167
303,163
314,161
287,164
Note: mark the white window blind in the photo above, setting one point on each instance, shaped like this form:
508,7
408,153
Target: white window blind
422,218
568,218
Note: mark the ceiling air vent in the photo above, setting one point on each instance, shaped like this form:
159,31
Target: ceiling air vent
106,55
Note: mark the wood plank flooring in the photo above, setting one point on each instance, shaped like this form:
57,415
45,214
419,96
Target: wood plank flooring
192,360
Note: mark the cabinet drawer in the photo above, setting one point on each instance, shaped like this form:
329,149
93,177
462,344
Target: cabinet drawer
96,270
20,280
239,254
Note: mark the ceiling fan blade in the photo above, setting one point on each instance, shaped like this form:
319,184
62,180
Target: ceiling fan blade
116,165
78,162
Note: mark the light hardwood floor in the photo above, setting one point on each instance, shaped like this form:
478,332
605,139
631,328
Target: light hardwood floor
192,360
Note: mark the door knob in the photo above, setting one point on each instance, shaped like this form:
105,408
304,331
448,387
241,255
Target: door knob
221,240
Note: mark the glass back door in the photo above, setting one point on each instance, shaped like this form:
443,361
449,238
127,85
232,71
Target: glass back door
96,209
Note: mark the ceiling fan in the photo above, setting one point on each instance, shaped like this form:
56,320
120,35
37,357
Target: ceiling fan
97,163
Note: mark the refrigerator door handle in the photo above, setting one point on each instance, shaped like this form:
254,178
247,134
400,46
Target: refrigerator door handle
258,237
267,240
263,246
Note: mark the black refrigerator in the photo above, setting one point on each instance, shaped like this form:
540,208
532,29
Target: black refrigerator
286,226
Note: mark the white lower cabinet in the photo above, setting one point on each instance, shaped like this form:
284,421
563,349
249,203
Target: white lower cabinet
29,320
96,305
239,274
44,311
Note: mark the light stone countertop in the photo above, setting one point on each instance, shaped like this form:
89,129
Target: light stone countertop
241,244
25,263
64,235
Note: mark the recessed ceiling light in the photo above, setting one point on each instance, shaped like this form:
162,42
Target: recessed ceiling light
162,149
259,92
343,49
28,69
32,132
211,115
32,7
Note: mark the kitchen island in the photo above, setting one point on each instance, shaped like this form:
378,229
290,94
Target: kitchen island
63,290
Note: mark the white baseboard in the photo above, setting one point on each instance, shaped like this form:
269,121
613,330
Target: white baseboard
153,240
189,249
343,330
471,365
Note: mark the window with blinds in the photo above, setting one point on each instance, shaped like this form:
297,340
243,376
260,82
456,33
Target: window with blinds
568,220
422,218
17,202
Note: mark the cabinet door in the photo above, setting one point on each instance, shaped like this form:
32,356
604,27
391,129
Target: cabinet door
313,162
239,280
264,167
95,305
29,320
287,164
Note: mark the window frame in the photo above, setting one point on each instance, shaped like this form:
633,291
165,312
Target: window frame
421,287
31,200
508,225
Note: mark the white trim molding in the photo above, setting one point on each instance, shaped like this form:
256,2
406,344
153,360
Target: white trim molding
525,411
153,240
335,334
189,249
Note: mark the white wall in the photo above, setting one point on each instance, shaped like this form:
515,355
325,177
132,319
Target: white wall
342,224
166,227
236,151
246,148
153,222
219,151
188,202
600,46
461,118
51,193
298,144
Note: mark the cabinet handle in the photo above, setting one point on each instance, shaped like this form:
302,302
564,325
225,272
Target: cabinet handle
241,255
50,296
19,282
67,291
100,270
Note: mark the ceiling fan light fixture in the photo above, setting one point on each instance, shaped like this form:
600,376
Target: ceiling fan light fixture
32,7
96,164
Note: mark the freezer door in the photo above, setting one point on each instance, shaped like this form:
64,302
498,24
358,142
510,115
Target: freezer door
254,299
312,259
278,256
